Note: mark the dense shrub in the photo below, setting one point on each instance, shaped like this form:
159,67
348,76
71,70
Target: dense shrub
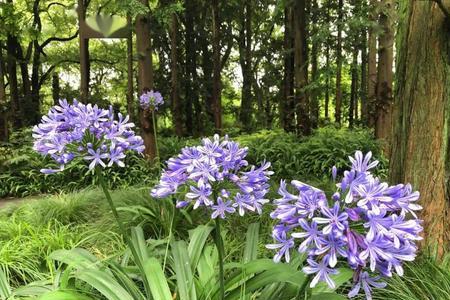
311,158
308,158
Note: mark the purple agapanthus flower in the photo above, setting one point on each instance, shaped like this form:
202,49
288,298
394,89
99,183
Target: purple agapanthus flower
86,131
367,225
151,100
217,176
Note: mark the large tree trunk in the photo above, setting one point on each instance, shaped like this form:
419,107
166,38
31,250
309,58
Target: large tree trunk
16,111
287,104
245,59
301,68
385,75
176,103
145,75
372,66
420,145
338,100
130,89
84,56
217,67
3,111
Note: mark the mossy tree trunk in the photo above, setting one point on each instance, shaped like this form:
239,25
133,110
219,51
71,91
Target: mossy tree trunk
420,145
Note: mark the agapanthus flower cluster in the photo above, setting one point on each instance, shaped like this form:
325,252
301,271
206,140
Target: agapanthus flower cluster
86,131
215,175
151,100
367,225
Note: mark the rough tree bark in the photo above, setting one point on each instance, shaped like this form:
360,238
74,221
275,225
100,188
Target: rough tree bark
145,75
352,111
338,99
287,104
372,66
420,144
176,103
383,125
301,68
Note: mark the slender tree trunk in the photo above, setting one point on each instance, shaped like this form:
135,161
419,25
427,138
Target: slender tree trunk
352,111
420,145
84,55
145,71
56,88
287,105
207,72
327,65
314,67
217,81
3,112
372,66
16,112
191,91
338,101
301,68
176,103
383,126
245,58
363,89
130,89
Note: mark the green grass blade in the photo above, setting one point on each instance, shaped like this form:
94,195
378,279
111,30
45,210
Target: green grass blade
198,238
328,296
64,295
157,280
251,243
5,288
183,271
104,283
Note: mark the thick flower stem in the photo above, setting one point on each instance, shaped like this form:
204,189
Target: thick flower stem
110,202
219,243
155,134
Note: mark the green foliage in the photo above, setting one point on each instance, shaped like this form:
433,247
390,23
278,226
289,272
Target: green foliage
426,278
311,157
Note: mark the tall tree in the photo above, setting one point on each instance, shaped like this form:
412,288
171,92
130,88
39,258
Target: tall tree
130,70
314,64
420,148
217,66
327,62
145,78
245,59
191,84
287,104
339,59
84,54
16,111
3,110
372,65
176,102
385,74
353,107
301,68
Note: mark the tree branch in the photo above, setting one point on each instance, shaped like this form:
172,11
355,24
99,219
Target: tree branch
58,39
